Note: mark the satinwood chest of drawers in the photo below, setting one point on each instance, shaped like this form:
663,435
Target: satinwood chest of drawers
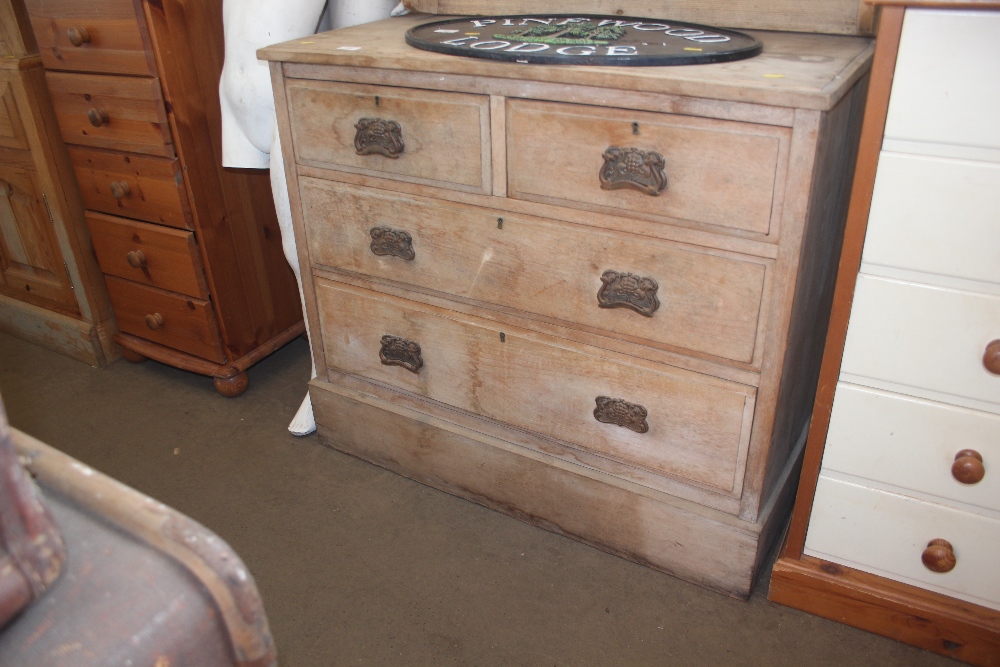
630,366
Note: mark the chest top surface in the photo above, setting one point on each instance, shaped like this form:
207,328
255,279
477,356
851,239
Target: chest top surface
795,69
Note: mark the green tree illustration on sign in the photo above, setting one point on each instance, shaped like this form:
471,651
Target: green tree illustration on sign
575,33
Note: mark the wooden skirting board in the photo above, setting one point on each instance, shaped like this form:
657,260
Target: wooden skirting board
79,339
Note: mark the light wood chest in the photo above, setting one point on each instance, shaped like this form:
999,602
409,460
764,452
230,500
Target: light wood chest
633,367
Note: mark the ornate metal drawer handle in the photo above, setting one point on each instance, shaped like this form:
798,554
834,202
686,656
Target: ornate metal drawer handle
389,241
621,413
378,136
627,290
398,351
633,168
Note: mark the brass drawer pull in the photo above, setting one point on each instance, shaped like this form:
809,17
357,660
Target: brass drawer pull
991,358
389,241
98,117
136,259
378,136
635,169
621,413
627,290
78,36
939,556
398,351
120,189
154,321
968,467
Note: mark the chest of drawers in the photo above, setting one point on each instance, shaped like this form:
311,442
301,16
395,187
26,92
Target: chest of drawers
191,252
632,367
906,501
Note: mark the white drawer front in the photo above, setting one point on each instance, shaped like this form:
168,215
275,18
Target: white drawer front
937,215
911,443
925,337
946,87
886,534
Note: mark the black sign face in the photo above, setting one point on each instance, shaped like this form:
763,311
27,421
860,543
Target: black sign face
583,40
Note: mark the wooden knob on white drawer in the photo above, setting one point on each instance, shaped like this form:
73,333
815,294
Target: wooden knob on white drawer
939,556
154,321
98,117
136,259
78,36
120,189
968,467
991,358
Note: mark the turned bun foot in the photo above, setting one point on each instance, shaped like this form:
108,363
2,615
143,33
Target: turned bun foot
132,356
233,385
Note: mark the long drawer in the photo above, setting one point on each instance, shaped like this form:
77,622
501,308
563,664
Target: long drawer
124,113
887,534
924,337
421,136
133,186
712,172
183,323
698,300
667,421
935,215
150,254
914,444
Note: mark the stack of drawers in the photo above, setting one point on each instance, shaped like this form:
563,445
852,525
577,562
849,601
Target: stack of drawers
191,254
630,366
907,488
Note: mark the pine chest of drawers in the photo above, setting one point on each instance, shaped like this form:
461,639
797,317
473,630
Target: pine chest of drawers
629,366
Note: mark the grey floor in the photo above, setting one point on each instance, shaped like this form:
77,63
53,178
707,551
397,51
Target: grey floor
358,566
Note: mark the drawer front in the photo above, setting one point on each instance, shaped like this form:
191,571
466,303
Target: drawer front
93,36
696,427
117,112
426,136
712,172
924,337
937,215
914,444
886,534
177,321
149,254
944,94
133,186
699,301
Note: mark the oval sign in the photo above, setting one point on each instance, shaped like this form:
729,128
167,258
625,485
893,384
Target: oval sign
571,39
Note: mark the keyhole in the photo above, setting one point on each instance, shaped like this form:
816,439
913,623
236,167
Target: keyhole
503,337
635,128
377,101
499,223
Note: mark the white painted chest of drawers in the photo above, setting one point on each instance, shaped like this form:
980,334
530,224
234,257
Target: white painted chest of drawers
633,369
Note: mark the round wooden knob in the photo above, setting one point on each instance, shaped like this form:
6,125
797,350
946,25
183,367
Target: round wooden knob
120,189
98,117
991,359
136,259
78,36
968,467
939,556
154,321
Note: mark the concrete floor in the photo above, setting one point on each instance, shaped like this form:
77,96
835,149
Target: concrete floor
357,565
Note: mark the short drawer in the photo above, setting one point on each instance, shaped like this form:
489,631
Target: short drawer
925,337
118,112
675,168
176,321
420,136
149,254
886,534
914,444
93,36
655,291
943,94
667,421
134,186
935,215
